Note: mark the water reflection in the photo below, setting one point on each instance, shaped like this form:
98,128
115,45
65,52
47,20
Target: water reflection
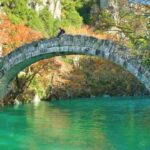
78,125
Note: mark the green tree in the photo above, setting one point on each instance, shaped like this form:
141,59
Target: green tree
70,16
132,25
50,24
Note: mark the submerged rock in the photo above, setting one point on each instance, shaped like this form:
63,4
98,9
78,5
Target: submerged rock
36,100
17,102
106,96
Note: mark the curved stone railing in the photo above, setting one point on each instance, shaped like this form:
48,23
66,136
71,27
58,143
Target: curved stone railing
26,55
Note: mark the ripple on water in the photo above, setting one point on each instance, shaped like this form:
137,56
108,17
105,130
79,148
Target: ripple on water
83,124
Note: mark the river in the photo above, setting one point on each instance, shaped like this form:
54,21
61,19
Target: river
79,124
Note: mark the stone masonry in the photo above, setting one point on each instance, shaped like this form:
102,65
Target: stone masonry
24,56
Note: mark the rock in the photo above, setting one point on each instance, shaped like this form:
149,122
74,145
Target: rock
16,102
36,100
54,7
106,96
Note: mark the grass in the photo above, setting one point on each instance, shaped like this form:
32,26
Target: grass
88,31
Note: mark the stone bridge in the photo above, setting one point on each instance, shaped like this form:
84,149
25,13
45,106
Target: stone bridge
24,56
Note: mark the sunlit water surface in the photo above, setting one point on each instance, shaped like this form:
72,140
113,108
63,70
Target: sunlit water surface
86,124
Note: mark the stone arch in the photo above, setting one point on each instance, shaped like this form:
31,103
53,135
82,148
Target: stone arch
27,54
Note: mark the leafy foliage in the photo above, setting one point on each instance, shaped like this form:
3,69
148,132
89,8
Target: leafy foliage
106,21
19,12
14,35
70,16
131,23
84,9
50,23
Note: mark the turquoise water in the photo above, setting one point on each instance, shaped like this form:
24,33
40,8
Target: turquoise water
87,124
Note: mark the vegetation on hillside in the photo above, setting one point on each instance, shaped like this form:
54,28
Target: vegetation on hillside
130,22
19,12
15,35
